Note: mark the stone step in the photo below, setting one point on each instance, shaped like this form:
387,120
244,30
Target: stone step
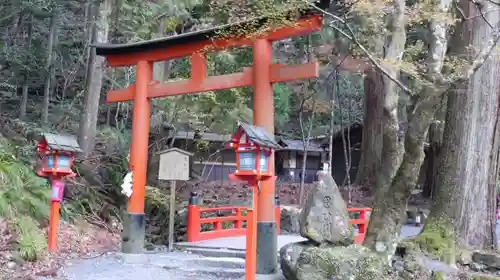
221,262
186,259
214,252
219,272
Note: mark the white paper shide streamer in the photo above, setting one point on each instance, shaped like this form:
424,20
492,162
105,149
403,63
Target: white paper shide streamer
127,184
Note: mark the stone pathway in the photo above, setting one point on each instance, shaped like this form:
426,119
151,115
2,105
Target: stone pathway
224,261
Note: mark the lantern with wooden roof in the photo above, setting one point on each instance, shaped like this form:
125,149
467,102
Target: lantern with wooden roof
57,153
253,147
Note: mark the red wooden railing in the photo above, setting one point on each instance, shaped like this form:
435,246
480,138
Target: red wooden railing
362,222
235,216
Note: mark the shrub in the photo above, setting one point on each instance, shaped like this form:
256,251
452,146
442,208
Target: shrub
24,201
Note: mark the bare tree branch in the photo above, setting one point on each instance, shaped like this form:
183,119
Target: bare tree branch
478,6
352,36
437,80
482,56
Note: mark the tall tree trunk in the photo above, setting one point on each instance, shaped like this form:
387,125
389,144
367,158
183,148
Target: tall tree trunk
24,97
11,29
49,65
88,121
380,235
434,151
371,145
306,139
494,177
385,150
390,205
53,81
90,11
463,211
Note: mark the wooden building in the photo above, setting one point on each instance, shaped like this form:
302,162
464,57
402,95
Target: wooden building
214,162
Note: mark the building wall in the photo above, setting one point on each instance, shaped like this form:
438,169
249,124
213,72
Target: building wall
339,159
216,166
293,175
214,172
288,168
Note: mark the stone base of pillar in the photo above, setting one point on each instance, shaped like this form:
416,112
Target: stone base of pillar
267,246
134,231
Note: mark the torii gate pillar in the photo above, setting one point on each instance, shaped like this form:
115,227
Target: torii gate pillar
263,116
134,228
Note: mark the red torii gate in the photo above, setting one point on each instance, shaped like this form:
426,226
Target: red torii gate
260,76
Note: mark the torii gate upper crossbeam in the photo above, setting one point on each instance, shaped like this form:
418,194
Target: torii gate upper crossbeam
156,50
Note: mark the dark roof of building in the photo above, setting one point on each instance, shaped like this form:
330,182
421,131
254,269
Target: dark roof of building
62,142
207,136
191,37
174,150
297,145
286,144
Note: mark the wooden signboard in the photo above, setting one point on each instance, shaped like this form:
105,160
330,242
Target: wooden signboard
174,165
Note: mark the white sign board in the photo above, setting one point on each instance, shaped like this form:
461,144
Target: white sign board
174,165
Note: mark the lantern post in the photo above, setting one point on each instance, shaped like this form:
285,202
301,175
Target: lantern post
254,148
57,153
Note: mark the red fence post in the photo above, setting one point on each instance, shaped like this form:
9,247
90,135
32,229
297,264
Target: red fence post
238,223
362,216
193,218
277,213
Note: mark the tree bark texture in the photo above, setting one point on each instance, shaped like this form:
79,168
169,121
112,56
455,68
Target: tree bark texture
391,145
88,122
49,66
433,152
371,145
465,201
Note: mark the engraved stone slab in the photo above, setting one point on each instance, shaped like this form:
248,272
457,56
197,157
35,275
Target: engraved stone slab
324,217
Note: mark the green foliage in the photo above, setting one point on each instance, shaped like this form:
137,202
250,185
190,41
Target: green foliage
133,20
24,201
282,105
158,209
31,242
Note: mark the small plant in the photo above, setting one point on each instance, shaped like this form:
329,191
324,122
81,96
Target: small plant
30,241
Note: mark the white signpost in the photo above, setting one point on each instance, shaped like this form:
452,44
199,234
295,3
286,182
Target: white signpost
174,165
